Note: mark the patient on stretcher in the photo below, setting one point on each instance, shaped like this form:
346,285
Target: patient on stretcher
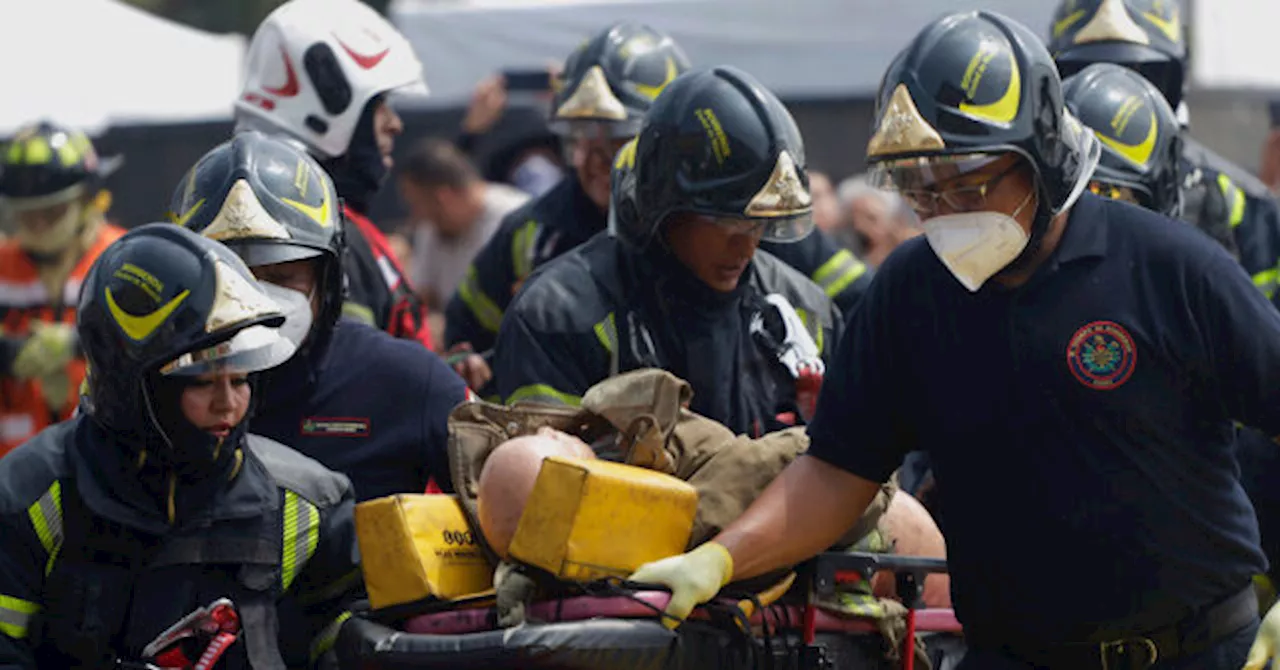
511,470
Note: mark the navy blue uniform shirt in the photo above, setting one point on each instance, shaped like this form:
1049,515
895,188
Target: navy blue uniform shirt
1080,426
375,408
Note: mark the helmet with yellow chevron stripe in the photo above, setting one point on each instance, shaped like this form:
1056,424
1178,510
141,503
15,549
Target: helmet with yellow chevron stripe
719,146
1146,36
972,85
613,78
1140,135
45,163
51,188
272,204
161,306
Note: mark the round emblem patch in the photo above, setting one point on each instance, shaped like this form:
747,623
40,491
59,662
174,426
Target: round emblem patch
1101,355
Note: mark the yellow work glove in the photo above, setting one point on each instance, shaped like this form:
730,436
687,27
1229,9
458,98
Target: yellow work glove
1266,646
693,578
48,350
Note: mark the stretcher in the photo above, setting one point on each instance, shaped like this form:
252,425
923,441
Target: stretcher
617,625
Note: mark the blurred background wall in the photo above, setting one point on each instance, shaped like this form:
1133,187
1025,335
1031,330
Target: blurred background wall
153,79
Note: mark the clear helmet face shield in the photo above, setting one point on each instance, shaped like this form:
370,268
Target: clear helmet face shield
253,349
939,184
256,348
583,140
777,230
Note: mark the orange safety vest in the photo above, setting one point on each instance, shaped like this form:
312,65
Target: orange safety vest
23,298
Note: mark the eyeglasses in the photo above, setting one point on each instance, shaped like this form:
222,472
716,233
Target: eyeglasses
960,199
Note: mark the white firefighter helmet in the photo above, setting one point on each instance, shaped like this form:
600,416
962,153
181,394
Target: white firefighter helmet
313,65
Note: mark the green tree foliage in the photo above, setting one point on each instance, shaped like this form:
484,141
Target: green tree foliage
222,16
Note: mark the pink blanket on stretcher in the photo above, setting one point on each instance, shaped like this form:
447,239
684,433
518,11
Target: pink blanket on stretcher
645,604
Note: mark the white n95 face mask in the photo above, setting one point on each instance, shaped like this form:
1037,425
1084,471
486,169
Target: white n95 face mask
296,307
974,246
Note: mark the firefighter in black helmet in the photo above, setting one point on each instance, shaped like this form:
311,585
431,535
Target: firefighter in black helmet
1141,151
274,206
1141,139
155,500
1063,340
679,284
1147,36
607,85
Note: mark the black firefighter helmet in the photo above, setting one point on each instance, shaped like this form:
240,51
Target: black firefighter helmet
972,85
51,186
1140,135
47,163
614,77
270,202
163,303
715,143
1145,36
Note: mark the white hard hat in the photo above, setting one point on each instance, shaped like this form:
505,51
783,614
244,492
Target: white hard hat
313,65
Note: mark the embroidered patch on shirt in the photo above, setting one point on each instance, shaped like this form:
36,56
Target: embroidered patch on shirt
1102,355
326,426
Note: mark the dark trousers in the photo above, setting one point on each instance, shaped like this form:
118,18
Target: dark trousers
1228,654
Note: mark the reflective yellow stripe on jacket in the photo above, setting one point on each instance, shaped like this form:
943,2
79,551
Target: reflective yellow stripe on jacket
46,518
301,535
814,328
482,306
327,636
522,249
15,616
1266,281
544,394
1235,199
838,272
607,333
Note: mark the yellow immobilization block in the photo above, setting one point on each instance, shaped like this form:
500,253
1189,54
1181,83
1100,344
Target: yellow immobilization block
588,519
415,546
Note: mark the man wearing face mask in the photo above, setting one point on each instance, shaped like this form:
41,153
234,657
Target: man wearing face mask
607,85
321,72
1100,351
155,501
678,284
368,405
51,190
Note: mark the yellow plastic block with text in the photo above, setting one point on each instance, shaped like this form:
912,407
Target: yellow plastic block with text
589,519
415,546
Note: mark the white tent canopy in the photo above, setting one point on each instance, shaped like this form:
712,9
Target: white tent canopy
91,63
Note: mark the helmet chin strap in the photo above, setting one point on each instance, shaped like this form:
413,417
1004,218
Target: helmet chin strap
1039,227
1184,115
1089,155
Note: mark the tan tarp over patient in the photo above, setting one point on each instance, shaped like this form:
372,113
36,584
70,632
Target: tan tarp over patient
640,418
